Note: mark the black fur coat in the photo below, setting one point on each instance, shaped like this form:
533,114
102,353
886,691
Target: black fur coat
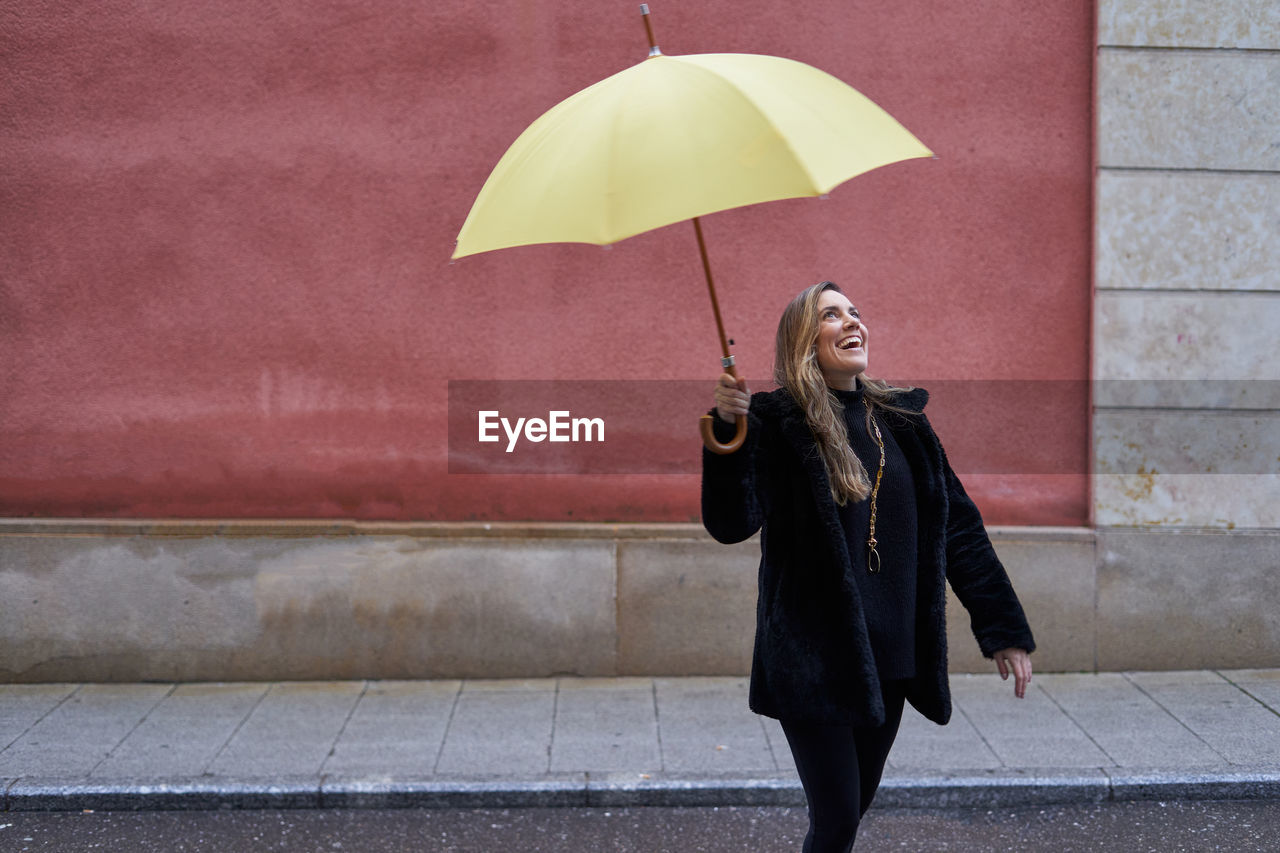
812,658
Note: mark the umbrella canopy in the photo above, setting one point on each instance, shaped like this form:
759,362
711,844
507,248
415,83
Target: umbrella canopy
676,137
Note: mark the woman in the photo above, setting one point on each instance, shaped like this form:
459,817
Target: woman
862,522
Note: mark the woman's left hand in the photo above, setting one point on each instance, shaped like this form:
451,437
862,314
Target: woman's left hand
1019,662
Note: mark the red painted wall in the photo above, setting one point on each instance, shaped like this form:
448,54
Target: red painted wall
225,231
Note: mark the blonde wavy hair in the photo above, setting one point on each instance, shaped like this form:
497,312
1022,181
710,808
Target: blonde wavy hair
795,368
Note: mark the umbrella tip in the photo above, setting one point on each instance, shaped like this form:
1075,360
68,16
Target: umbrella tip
648,29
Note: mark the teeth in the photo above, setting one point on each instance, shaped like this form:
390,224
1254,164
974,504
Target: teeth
851,343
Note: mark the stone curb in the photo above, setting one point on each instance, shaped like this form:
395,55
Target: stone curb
156,795
941,790
995,788
454,793
1245,784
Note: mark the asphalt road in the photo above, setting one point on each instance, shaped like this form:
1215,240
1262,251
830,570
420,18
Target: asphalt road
1130,827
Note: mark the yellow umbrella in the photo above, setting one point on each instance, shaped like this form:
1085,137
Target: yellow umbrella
674,138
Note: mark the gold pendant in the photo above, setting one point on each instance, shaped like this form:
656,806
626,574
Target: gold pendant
873,560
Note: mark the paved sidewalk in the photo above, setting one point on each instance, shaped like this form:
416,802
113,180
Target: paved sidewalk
625,741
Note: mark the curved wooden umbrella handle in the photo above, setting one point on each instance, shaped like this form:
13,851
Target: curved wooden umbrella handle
707,425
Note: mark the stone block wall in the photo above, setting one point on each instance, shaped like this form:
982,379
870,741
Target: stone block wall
1187,309
1186,319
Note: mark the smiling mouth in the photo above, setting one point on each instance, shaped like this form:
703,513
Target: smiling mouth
850,343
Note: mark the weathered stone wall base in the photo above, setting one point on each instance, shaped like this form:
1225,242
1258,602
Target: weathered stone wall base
128,601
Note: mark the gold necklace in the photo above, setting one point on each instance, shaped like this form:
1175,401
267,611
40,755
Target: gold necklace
873,557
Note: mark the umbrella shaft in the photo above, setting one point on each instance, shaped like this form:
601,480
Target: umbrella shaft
715,303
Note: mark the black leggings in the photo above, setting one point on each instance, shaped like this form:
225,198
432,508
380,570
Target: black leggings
840,769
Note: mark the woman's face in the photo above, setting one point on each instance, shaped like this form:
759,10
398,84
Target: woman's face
842,340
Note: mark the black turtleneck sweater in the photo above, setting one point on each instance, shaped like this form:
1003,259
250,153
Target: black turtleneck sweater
889,596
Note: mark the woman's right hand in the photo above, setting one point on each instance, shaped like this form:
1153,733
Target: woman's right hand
732,397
